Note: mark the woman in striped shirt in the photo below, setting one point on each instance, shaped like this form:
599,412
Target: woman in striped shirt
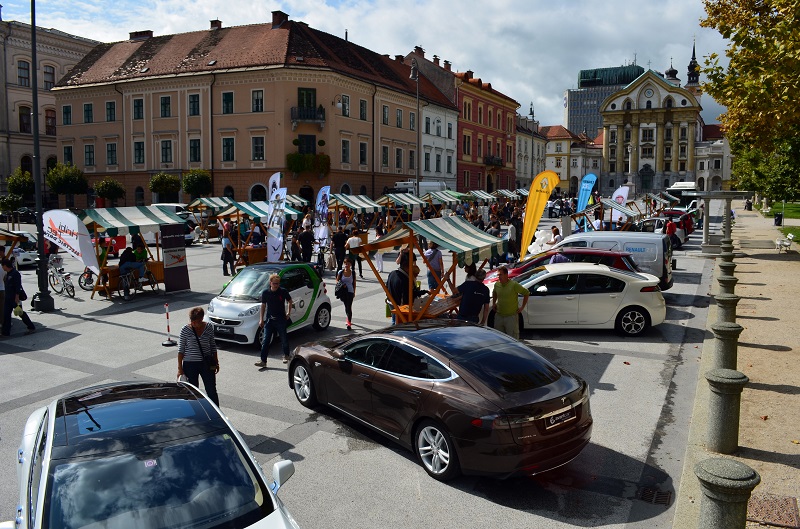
197,354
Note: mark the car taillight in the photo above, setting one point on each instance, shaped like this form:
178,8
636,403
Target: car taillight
654,288
501,422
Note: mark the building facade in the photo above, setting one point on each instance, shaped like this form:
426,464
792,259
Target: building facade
244,102
56,53
531,151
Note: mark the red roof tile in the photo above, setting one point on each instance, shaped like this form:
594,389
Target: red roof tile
713,132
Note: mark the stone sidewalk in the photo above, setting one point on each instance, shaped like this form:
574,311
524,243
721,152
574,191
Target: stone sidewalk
769,434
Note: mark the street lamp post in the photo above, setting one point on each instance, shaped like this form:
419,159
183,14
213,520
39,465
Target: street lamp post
415,76
533,135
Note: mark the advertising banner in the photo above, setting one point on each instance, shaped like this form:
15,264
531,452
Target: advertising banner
275,225
66,230
585,192
321,216
541,188
620,196
274,185
173,245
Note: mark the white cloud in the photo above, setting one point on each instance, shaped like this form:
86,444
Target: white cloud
530,50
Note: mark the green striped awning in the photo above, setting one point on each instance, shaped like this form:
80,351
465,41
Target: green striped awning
397,200
358,203
214,203
455,234
458,195
507,194
522,192
670,197
129,220
478,194
296,201
607,202
441,197
258,211
657,198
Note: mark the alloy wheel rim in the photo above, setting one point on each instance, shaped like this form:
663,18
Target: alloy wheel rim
301,383
633,322
433,450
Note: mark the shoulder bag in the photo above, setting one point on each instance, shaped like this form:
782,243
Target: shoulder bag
211,364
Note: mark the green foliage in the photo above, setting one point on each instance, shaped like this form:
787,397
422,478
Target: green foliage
322,164
197,183
774,174
21,183
109,189
308,163
66,179
10,202
164,183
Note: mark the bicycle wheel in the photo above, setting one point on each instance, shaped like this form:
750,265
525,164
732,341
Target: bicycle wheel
122,285
69,287
86,280
151,280
55,282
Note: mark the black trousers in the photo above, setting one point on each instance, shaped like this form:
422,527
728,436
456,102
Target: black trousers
194,371
347,300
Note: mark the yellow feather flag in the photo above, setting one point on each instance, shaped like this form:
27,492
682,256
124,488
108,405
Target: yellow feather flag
541,188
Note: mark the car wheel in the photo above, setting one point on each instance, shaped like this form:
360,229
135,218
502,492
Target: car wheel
436,451
632,321
322,319
260,337
303,386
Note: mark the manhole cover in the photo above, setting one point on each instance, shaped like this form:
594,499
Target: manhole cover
654,496
780,511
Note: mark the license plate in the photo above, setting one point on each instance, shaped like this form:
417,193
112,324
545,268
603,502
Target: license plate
223,330
559,418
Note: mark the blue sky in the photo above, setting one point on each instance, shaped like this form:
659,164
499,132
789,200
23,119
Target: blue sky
531,50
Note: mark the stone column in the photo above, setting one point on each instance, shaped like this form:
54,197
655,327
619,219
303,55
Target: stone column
706,209
726,345
726,486
724,403
659,152
726,307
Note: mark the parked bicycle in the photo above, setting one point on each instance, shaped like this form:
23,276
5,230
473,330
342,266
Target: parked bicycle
129,282
87,279
58,279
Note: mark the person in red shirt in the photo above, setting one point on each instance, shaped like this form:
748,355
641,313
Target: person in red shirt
671,230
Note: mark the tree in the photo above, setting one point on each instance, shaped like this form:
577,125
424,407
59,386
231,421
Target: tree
66,179
197,183
21,183
761,83
165,183
10,203
775,175
109,189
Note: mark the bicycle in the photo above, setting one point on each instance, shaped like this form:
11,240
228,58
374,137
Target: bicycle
86,279
58,279
129,281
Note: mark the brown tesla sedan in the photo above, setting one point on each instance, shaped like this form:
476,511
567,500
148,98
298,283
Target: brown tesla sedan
464,398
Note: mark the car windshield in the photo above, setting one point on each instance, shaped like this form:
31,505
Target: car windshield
30,244
531,275
249,284
197,482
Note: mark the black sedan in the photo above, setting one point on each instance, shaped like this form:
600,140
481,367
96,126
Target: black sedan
464,398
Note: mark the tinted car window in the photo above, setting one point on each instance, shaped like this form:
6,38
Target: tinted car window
413,363
556,285
369,352
509,367
599,283
249,283
295,278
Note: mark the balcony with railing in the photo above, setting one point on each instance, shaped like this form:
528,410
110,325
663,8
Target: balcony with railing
495,161
308,115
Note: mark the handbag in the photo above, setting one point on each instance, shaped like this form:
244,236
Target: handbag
211,364
340,289
22,295
331,264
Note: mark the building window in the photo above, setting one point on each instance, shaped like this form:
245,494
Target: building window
594,164
228,192
166,151
480,115
138,108
717,164
228,149
88,155
412,160
683,133
647,152
227,102
667,166
558,162
166,106
257,147
574,162
427,125
682,151
667,151
257,101
627,136
702,166
613,136
449,164
362,110
450,131
138,151
345,151
399,119
647,134
668,134
612,167
308,144
426,162
467,144
649,104
23,73
138,195
111,154
49,77
509,155
682,167
398,158
362,153
438,127
558,147
385,116
669,103
111,111
88,113
627,105
438,168
346,106
25,120
385,156
612,152
66,115
194,104
68,154
194,150
50,122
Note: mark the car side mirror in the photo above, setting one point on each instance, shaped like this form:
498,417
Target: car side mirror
281,472
337,354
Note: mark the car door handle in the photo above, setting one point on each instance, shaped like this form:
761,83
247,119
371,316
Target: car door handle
415,392
569,297
364,375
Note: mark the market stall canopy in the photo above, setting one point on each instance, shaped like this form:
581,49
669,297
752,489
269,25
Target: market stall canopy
357,203
657,198
669,197
522,192
129,220
457,195
213,203
607,202
296,201
258,211
397,200
505,193
455,234
441,197
477,194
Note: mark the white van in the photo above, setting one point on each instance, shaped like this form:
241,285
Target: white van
651,251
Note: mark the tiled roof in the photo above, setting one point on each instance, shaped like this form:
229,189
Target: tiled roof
557,132
477,82
293,44
713,132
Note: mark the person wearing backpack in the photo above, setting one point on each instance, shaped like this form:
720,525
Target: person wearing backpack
347,278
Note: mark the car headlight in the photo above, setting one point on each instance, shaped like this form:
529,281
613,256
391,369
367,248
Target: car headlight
252,311
210,306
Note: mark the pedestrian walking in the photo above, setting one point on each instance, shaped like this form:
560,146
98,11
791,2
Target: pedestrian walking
2,296
338,243
434,256
348,278
306,240
504,303
15,295
197,354
228,258
352,243
474,304
276,310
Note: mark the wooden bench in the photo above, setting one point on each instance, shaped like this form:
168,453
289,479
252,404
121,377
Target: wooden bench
438,307
107,281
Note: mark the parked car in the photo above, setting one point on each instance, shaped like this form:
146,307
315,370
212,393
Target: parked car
614,259
136,454
659,225
26,252
684,219
25,215
115,244
235,311
464,398
590,296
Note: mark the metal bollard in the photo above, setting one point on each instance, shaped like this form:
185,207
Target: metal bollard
726,345
726,307
723,409
726,485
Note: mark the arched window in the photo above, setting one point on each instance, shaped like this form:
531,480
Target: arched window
628,105
345,189
25,120
363,190
138,195
51,163
26,164
668,103
228,192
258,192
50,122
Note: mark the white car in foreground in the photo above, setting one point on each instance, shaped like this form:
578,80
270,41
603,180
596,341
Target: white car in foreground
590,296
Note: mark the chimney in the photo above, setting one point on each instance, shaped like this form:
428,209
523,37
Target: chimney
419,51
278,18
216,24
141,35
399,58
436,60
468,74
447,66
